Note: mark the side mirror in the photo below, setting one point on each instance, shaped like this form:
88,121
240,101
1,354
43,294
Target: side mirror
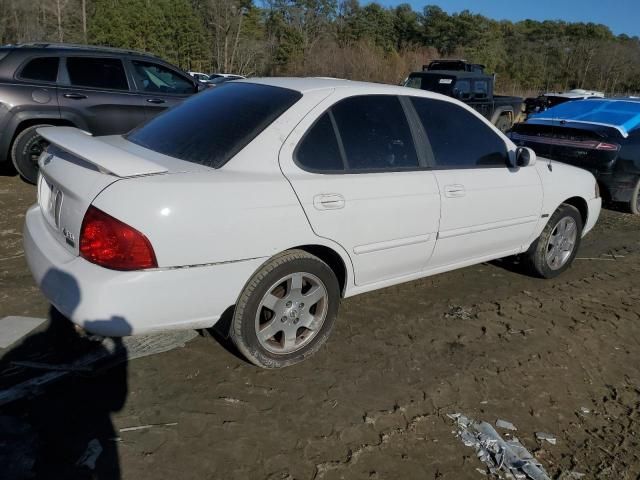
201,86
525,157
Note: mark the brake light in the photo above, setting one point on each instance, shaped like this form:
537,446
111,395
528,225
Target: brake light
609,147
110,243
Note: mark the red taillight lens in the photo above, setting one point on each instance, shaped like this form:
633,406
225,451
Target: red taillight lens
110,243
609,147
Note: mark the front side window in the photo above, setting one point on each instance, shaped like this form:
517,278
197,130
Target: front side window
458,138
154,78
105,73
43,69
210,128
375,133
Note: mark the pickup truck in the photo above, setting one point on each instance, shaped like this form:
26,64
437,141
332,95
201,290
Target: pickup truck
474,88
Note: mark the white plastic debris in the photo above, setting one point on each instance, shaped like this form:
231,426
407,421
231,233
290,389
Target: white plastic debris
506,425
546,437
576,475
502,457
90,455
145,427
585,410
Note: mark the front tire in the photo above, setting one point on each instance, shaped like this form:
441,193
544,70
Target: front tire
286,311
634,203
558,244
25,151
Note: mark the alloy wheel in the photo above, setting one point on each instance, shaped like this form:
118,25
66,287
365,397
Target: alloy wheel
291,313
561,243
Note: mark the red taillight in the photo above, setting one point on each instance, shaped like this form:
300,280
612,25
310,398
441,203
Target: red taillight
110,243
609,147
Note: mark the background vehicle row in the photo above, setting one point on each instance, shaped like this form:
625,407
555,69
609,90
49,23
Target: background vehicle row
101,90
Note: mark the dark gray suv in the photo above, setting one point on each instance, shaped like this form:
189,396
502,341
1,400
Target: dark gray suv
102,90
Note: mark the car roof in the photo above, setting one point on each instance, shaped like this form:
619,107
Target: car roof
451,73
51,47
308,84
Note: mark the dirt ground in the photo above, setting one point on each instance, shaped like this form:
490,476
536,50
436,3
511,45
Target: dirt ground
485,341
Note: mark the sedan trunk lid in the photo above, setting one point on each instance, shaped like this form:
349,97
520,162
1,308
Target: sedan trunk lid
594,148
77,166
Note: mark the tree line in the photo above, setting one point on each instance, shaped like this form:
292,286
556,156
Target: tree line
338,38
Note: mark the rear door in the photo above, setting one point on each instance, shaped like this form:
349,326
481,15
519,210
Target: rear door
488,209
362,184
94,93
159,86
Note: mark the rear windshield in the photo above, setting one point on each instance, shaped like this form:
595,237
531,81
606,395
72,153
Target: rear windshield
435,83
210,128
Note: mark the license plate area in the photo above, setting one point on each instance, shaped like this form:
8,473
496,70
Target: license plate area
50,199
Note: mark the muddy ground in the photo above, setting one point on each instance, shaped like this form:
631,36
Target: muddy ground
486,341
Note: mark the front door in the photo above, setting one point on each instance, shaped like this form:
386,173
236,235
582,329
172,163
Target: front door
356,172
160,87
488,209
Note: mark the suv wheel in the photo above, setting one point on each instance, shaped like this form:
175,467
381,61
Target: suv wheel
286,311
26,150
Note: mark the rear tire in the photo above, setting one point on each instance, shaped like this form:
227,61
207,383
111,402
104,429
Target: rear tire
558,243
286,311
634,203
26,150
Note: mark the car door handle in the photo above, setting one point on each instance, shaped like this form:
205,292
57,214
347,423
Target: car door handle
155,100
331,201
454,191
74,96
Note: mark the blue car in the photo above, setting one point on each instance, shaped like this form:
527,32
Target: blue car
599,135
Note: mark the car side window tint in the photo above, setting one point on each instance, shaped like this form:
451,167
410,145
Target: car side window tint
106,73
480,88
458,138
43,69
463,89
414,82
375,133
154,78
319,149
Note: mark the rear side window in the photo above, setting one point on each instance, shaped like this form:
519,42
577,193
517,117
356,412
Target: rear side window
480,89
319,149
375,133
210,128
458,138
44,69
106,73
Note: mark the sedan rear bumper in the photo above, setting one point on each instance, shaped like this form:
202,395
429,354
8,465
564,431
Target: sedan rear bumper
114,303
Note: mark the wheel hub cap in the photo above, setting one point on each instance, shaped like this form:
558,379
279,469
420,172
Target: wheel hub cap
291,313
561,243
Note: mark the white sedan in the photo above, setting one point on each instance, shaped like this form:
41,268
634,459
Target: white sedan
290,195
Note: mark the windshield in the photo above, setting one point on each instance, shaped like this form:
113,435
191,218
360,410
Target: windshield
211,127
